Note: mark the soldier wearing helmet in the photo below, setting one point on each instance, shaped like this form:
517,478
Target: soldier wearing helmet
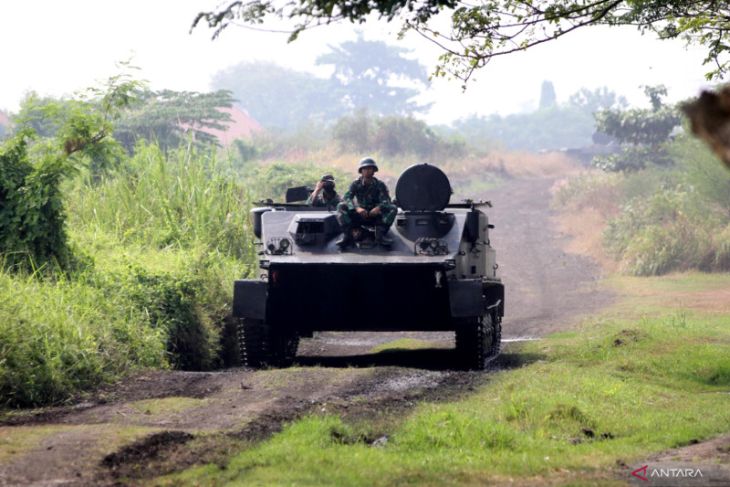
324,194
366,202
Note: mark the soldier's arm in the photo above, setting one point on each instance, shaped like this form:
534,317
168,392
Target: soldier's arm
384,198
349,195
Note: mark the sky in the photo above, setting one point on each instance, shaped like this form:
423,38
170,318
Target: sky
58,48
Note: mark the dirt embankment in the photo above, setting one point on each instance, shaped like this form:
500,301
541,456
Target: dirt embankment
158,422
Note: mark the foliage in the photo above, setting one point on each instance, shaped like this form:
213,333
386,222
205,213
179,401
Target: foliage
554,128
281,98
596,100
169,233
365,71
170,117
365,75
32,231
394,135
642,132
58,338
354,132
660,234
486,29
171,302
184,199
663,219
551,127
272,180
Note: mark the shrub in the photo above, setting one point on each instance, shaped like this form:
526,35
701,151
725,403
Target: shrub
394,135
32,231
58,338
662,219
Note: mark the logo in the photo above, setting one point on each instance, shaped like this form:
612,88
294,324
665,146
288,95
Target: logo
644,473
639,475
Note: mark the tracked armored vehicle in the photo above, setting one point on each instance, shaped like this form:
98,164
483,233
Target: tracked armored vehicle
439,274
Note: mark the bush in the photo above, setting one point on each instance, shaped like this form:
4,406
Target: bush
32,231
58,338
661,220
657,235
394,135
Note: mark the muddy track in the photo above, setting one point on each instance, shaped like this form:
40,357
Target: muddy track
159,422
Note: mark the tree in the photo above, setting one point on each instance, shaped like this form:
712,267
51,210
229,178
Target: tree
365,72
547,95
168,116
642,132
484,29
281,98
596,100
32,169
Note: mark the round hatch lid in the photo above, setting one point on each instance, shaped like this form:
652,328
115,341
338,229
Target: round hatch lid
422,187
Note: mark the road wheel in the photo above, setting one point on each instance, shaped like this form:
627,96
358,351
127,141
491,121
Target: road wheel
260,345
477,341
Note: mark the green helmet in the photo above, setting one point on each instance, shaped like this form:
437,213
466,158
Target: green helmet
367,162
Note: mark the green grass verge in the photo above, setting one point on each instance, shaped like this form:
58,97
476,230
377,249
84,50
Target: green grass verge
615,390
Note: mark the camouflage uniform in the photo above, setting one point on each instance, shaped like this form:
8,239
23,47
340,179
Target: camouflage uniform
320,201
368,197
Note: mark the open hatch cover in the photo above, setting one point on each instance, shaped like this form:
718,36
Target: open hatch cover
423,187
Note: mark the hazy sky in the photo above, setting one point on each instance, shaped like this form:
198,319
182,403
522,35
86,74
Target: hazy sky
57,48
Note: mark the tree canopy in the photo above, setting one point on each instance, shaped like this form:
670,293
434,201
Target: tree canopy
365,74
168,116
643,133
484,29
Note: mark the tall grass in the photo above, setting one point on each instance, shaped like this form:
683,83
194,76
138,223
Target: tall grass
163,239
661,220
178,200
60,337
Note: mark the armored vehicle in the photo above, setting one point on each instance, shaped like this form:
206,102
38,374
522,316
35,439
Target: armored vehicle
439,274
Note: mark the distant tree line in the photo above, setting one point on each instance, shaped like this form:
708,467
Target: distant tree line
365,75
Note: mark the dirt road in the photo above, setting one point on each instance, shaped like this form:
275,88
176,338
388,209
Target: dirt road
158,422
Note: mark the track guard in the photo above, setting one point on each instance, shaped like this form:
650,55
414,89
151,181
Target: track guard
466,298
249,299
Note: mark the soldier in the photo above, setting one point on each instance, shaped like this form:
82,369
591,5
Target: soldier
366,202
324,194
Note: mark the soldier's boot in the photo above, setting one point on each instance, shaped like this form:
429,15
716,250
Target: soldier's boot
345,240
381,237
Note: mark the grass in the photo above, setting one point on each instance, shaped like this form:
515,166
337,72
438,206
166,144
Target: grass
657,220
609,393
58,337
160,242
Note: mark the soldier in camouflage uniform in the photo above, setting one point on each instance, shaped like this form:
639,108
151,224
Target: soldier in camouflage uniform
324,194
366,202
